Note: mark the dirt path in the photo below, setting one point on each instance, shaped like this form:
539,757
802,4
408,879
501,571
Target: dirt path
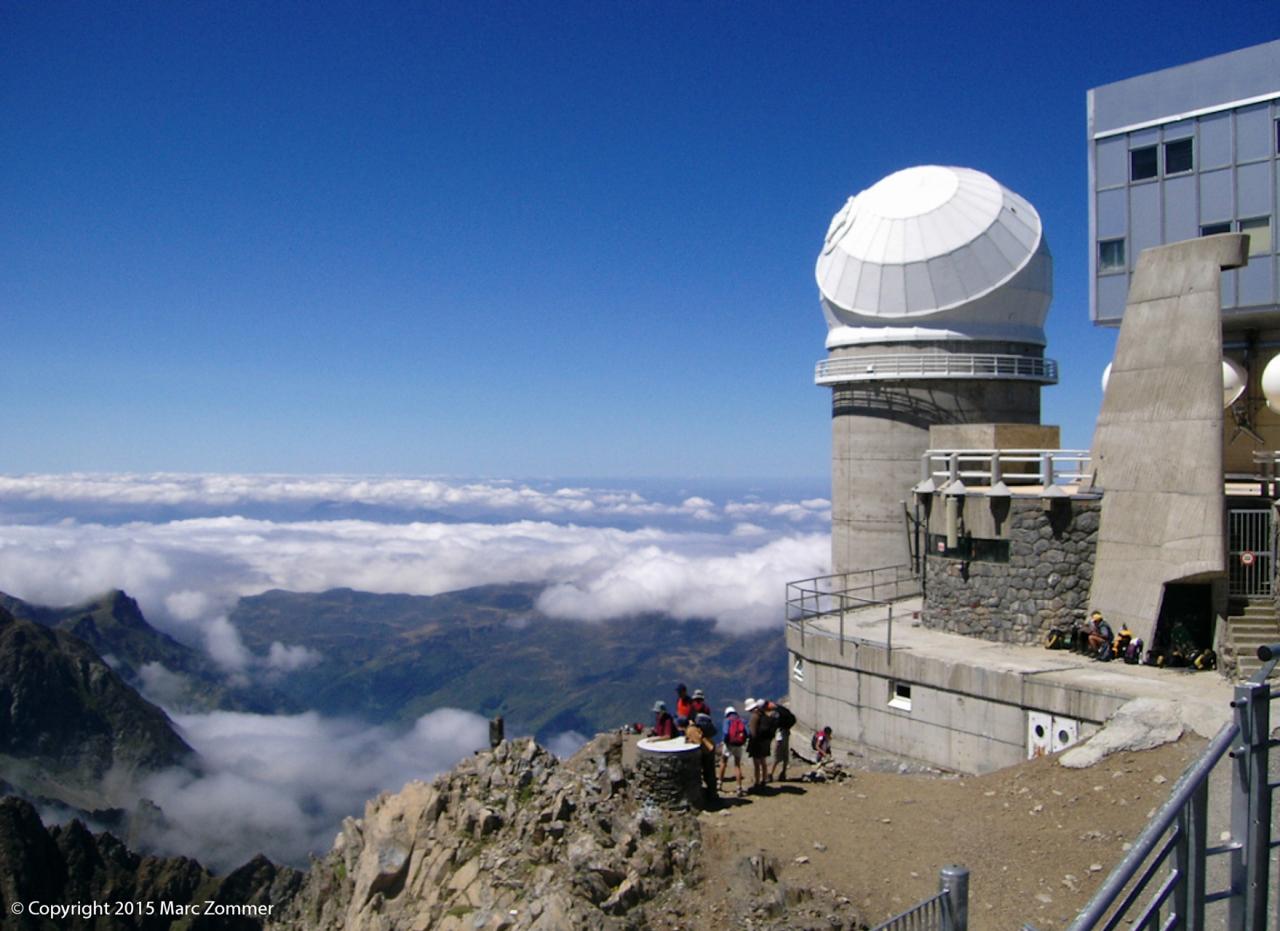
1038,838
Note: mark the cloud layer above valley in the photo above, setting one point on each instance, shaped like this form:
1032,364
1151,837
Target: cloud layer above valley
691,556
281,784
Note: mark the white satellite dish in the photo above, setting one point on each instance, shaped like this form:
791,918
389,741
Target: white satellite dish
1234,380
1106,377
1271,383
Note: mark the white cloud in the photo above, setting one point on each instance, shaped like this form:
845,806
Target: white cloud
291,658
566,744
740,591
188,573
282,784
161,685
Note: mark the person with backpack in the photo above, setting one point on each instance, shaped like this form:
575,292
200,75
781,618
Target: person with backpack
735,738
784,720
761,727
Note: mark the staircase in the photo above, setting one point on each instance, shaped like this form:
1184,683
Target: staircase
1251,623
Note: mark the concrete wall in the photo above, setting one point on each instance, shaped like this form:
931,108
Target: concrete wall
963,716
879,432
1045,582
1157,450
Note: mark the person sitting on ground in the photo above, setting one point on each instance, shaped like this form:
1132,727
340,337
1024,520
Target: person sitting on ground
782,743
1100,636
698,705
684,704
821,744
735,738
702,731
663,725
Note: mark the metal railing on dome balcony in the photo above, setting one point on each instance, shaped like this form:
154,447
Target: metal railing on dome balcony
1031,469
908,366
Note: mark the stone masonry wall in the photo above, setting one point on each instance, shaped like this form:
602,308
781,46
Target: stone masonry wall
1045,582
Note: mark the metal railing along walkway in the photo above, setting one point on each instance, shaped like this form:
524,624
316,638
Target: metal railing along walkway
822,605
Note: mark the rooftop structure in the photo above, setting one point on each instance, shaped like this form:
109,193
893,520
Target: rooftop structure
1186,152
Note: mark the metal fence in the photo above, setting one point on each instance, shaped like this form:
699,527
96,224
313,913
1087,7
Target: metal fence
822,605
1162,881
1005,469
947,365
948,910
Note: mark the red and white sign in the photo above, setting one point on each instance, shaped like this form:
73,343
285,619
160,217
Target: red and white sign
1247,558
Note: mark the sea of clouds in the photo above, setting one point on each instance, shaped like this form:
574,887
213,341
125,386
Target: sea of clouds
188,546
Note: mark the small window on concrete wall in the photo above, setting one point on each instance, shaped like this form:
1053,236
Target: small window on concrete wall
900,696
797,670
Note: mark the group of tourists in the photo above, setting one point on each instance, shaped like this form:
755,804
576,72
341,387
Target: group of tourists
762,731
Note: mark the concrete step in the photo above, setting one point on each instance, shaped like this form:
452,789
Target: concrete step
1254,626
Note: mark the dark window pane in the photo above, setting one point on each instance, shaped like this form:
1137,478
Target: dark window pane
1177,156
1111,255
1213,229
1142,163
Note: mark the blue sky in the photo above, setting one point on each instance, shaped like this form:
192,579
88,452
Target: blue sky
502,239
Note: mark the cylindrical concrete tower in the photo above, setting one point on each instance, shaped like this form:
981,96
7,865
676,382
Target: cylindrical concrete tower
935,283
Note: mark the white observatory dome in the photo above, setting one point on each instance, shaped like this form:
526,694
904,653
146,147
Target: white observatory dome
935,253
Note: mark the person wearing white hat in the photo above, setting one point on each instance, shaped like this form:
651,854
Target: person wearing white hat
735,736
759,743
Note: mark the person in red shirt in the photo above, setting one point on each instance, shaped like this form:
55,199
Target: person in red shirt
699,704
663,724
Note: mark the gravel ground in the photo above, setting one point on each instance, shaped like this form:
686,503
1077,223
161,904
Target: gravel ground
1038,838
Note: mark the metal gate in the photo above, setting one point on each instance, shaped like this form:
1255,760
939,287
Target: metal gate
1251,547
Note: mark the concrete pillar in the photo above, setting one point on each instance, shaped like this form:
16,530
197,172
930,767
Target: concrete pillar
879,431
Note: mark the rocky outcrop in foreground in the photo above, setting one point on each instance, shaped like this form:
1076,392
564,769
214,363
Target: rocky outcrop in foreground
68,864
510,839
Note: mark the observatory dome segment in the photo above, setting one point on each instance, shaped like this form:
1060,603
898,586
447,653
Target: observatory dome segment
950,244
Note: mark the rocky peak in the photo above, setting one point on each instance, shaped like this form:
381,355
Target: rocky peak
510,838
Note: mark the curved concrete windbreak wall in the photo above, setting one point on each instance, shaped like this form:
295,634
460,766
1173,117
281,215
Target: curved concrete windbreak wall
1157,449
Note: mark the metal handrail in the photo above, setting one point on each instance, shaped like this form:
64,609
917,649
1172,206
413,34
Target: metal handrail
1179,829
1041,467
904,365
834,596
945,910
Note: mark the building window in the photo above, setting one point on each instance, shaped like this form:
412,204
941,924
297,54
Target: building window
1177,157
900,696
1213,229
1277,137
1143,163
1110,255
1259,230
797,670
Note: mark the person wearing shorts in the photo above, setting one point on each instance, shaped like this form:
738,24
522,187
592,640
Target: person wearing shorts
729,750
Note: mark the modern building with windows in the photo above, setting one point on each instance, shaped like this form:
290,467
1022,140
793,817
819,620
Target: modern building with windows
1188,151
1194,151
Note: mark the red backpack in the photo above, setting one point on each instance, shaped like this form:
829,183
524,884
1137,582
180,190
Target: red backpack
735,734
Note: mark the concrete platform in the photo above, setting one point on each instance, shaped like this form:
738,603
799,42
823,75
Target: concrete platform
966,704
